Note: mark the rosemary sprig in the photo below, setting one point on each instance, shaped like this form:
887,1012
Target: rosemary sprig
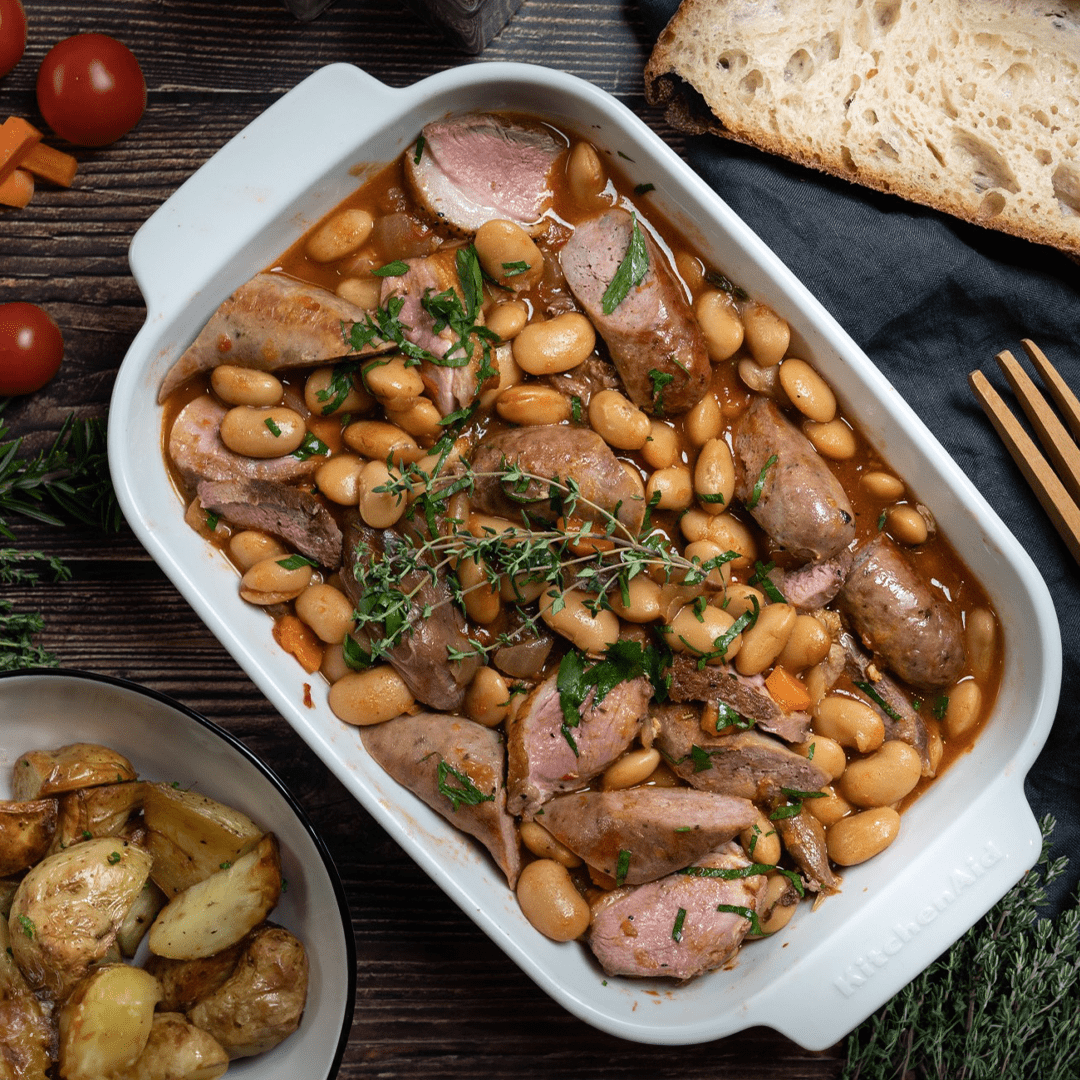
1003,1001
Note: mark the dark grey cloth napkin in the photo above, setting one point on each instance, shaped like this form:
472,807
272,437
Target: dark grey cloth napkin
930,298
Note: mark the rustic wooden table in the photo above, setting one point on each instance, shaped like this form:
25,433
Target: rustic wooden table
435,998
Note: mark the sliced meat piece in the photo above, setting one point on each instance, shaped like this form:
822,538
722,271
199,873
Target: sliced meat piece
451,376
271,322
639,930
541,761
295,516
652,335
887,700
912,632
740,764
660,830
589,377
800,503
814,585
456,767
803,837
435,624
554,451
746,694
196,449
471,169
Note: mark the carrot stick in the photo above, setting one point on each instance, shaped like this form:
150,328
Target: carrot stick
46,163
17,189
16,137
788,692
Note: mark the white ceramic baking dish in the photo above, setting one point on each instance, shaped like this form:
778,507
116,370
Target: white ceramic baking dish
962,845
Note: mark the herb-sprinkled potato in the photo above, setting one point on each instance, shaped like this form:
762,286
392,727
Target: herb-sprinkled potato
177,1050
95,811
184,982
192,836
47,772
217,912
105,1023
139,918
25,1032
67,910
263,999
26,831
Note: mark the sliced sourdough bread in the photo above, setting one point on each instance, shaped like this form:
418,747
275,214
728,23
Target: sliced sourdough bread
968,106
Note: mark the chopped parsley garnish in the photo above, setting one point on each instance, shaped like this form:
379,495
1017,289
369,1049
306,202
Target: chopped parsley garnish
295,562
225,865
28,927
759,484
676,930
659,380
725,284
272,426
746,913
575,408
878,700
355,657
793,807
421,142
726,716
941,706
458,788
339,387
512,269
312,446
397,268
761,577
644,189
631,271
212,520
622,867
114,857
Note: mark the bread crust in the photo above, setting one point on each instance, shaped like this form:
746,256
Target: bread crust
834,85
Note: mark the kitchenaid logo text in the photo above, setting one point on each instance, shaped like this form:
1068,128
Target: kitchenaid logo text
863,968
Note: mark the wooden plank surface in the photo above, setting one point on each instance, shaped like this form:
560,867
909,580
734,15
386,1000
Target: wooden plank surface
435,998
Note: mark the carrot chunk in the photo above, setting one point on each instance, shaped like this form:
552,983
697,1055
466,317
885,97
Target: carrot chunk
47,163
297,638
16,138
17,189
788,692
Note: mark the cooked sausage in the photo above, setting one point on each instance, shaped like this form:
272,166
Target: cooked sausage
914,634
652,335
799,502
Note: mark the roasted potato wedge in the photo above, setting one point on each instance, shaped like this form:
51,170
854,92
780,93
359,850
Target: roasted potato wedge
95,811
177,1050
26,831
139,918
184,982
48,772
191,836
105,1023
262,1002
217,912
67,910
25,1033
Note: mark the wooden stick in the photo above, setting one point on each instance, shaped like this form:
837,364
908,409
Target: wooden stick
1063,397
1055,439
1063,512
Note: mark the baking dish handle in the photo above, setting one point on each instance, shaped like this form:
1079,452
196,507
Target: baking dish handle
260,173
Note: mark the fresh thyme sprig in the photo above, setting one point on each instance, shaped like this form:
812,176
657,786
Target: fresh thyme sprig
593,555
1003,1001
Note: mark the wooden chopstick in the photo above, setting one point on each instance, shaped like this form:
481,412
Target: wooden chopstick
1057,503
1061,450
1063,397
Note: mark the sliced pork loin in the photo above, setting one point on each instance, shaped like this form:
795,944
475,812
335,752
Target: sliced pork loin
554,451
661,830
671,928
799,501
811,587
272,321
471,169
295,516
898,715
196,449
541,761
456,766
912,632
451,380
742,764
652,335
746,694
435,624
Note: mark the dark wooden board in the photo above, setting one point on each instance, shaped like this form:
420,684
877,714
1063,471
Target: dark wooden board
435,998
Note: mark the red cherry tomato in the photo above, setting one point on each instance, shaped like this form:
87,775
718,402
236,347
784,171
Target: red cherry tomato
31,348
90,89
12,34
